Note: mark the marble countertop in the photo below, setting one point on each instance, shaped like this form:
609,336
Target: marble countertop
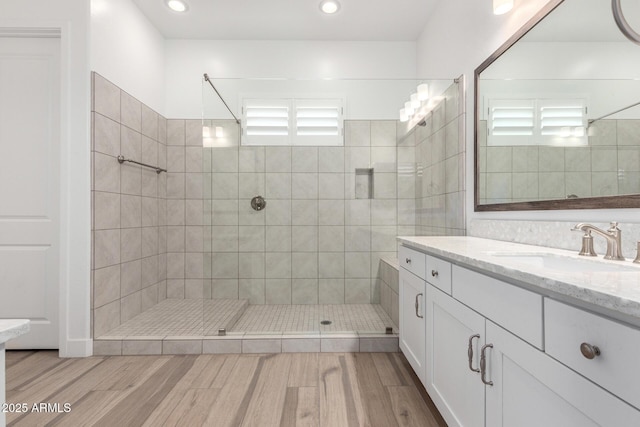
616,294
12,328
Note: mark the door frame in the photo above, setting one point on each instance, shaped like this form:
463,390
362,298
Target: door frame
75,176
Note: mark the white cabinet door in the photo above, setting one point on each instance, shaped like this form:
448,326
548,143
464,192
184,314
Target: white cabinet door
412,323
532,389
452,383
29,187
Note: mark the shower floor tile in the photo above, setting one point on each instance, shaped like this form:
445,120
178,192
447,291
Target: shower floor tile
308,318
197,318
182,317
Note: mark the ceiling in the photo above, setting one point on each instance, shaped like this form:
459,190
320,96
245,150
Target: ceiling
357,20
584,21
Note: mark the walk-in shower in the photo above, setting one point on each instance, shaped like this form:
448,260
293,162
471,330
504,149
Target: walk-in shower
269,237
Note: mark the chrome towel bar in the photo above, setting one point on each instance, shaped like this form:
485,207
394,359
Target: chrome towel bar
121,160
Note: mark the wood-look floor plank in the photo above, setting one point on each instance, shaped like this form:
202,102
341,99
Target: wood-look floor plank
267,400
337,400
304,370
38,389
12,357
228,409
409,409
130,372
163,411
388,370
193,408
206,370
406,367
226,390
89,410
100,402
153,365
72,393
376,400
301,408
33,366
145,398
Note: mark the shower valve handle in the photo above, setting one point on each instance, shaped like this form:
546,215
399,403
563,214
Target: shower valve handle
258,203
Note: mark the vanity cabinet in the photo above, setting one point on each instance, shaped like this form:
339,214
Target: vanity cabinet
412,321
530,389
455,335
494,357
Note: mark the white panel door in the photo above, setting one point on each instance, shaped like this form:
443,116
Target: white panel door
412,323
29,186
452,378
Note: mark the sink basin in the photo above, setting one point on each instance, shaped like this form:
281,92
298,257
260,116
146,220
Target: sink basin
564,263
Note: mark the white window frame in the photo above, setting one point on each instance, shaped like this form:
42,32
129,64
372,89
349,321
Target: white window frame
294,105
525,122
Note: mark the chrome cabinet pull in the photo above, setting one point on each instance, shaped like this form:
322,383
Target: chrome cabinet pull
434,273
417,305
483,364
407,260
589,351
470,352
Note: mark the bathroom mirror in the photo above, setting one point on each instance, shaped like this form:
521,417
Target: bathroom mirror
557,115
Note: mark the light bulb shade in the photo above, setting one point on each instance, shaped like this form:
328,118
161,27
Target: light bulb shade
403,115
408,108
423,92
415,102
502,6
206,132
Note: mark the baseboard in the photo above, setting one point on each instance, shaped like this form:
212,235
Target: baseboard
76,348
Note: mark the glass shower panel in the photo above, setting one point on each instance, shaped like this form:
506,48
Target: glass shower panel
309,261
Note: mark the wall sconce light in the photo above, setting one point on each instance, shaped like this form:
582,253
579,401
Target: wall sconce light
403,116
408,108
501,7
415,102
423,92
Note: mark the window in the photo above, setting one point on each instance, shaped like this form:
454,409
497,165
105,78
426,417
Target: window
292,121
537,122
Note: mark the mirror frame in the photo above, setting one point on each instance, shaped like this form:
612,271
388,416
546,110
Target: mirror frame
605,202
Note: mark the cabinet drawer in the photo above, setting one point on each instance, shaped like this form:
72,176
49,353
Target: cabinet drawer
615,369
439,273
513,308
413,261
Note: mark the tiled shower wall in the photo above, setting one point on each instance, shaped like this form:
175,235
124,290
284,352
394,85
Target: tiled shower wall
129,207
440,168
315,242
609,165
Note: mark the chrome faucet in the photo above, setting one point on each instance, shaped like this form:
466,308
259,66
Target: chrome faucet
613,236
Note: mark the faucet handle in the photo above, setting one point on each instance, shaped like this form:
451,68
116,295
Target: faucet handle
587,245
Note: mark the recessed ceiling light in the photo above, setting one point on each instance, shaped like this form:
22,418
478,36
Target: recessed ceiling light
329,6
177,5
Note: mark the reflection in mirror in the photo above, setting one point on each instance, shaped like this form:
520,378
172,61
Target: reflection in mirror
558,113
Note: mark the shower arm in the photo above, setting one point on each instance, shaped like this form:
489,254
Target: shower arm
622,22
206,78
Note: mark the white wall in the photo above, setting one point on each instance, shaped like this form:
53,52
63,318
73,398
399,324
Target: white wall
128,50
458,37
188,60
72,16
